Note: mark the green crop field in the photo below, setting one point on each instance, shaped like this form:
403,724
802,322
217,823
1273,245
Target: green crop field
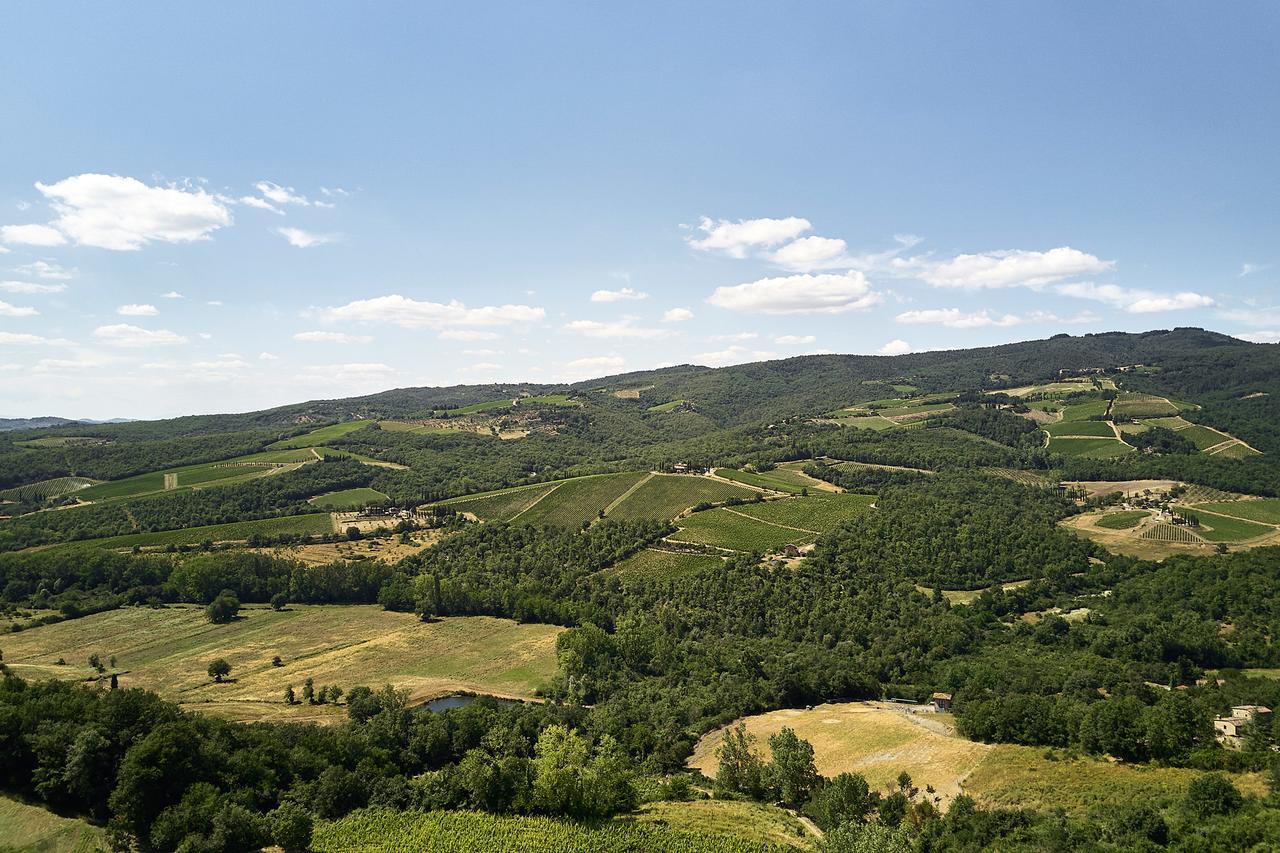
168,649
874,422
1203,437
310,524
1131,404
580,499
667,495
1084,411
819,513
30,828
1175,423
1122,520
666,407
1100,429
380,831
779,479
349,498
1226,529
728,528
500,505
128,487
55,488
1089,448
320,436
1266,510
651,564
1236,451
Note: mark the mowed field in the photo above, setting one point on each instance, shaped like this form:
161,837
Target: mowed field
879,742
788,477
168,650
581,499
1089,448
31,828
349,498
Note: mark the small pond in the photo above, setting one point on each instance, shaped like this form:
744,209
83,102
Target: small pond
459,700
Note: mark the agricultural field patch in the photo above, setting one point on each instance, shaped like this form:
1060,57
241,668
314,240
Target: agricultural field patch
874,422
742,820
168,649
64,441
1085,411
500,505
1026,478
668,406
349,498
26,827
1089,448
386,549
1132,404
320,436
730,529
1265,510
1099,429
45,489
381,831
1166,532
1235,450
310,524
1221,528
1122,520
666,496
820,513
581,499
1203,437
656,565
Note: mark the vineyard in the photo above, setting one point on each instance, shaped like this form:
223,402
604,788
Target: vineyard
502,505
1165,532
377,831
45,489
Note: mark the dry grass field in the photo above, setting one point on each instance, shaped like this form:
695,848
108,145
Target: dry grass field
745,820
873,739
388,549
31,828
167,650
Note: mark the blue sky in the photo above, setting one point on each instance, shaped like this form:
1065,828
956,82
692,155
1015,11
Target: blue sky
232,207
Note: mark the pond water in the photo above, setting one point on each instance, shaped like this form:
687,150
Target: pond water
444,703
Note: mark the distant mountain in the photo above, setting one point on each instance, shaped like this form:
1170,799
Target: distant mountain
7,424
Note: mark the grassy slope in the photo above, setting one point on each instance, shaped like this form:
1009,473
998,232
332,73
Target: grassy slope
24,827
724,528
654,565
1122,520
320,436
168,650
668,495
1266,510
820,513
348,498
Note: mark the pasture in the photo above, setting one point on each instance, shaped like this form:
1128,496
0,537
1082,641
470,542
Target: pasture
666,496
32,828
1085,411
349,498
320,436
1131,404
383,831
731,819
168,649
670,405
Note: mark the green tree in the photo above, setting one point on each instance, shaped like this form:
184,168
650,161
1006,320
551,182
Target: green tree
291,827
309,692
792,773
219,669
847,797
279,601
289,697
740,770
224,608
1211,794
560,756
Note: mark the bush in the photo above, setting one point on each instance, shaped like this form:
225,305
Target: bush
223,608
1211,794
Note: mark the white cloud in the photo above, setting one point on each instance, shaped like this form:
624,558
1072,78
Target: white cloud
415,314
1247,269
897,346
7,310
625,293
735,238
266,356
137,311
736,336
1009,268
1050,317
260,204
482,352
21,339
954,318
113,212
125,335
280,195
331,338
677,315
812,253
467,335
44,269
214,303
32,235
305,239
30,287
480,367
597,362
799,294
624,328
172,294
733,355
1135,301
1260,337
794,340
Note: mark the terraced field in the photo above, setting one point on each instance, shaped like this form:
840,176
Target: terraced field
731,530
1131,404
820,513
1100,429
